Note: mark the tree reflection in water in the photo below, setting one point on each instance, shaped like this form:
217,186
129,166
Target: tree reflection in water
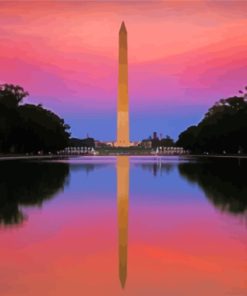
222,180
27,183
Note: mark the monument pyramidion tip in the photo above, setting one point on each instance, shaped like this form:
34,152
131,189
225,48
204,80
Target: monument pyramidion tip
123,28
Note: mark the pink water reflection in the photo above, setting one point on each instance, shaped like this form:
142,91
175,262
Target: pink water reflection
70,247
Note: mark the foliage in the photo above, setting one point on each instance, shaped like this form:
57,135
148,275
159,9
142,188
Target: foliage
187,138
28,128
11,95
87,142
165,142
223,128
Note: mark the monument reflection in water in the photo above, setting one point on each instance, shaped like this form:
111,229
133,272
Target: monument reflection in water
183,233
123,204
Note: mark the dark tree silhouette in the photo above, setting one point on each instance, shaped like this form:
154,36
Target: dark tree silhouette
87,142
12,95
167,142
223,128
41,129
26,127
164,142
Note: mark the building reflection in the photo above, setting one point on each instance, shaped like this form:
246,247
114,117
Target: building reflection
123,204
157,167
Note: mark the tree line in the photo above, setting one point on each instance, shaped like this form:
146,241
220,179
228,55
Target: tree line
222,130
26,128
87,142
164,142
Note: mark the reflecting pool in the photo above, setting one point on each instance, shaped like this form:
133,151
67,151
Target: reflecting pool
123,226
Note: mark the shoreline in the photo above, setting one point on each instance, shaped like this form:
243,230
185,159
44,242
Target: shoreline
16,157
26,157
217,156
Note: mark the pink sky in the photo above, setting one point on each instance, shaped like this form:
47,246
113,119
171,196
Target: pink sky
183,56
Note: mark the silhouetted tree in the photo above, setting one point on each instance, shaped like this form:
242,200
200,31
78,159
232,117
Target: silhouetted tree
10,98
41,129
187,138
87,142
155,143
28,128
11,95
167,142
224,127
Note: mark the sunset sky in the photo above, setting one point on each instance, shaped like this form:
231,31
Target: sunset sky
183,56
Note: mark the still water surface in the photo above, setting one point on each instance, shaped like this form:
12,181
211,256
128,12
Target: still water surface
123,226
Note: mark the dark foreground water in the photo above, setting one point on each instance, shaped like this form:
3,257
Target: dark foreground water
123,226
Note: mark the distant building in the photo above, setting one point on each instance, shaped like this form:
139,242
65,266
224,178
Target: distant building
135,143
99,144
155,137
171,150
102,144
72,150
146,144
110,143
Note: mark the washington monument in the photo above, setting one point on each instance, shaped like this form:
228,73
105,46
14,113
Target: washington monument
123,98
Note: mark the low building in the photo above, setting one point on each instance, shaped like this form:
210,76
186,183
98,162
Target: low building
135,143
76,150
146,144
103,144
172,150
